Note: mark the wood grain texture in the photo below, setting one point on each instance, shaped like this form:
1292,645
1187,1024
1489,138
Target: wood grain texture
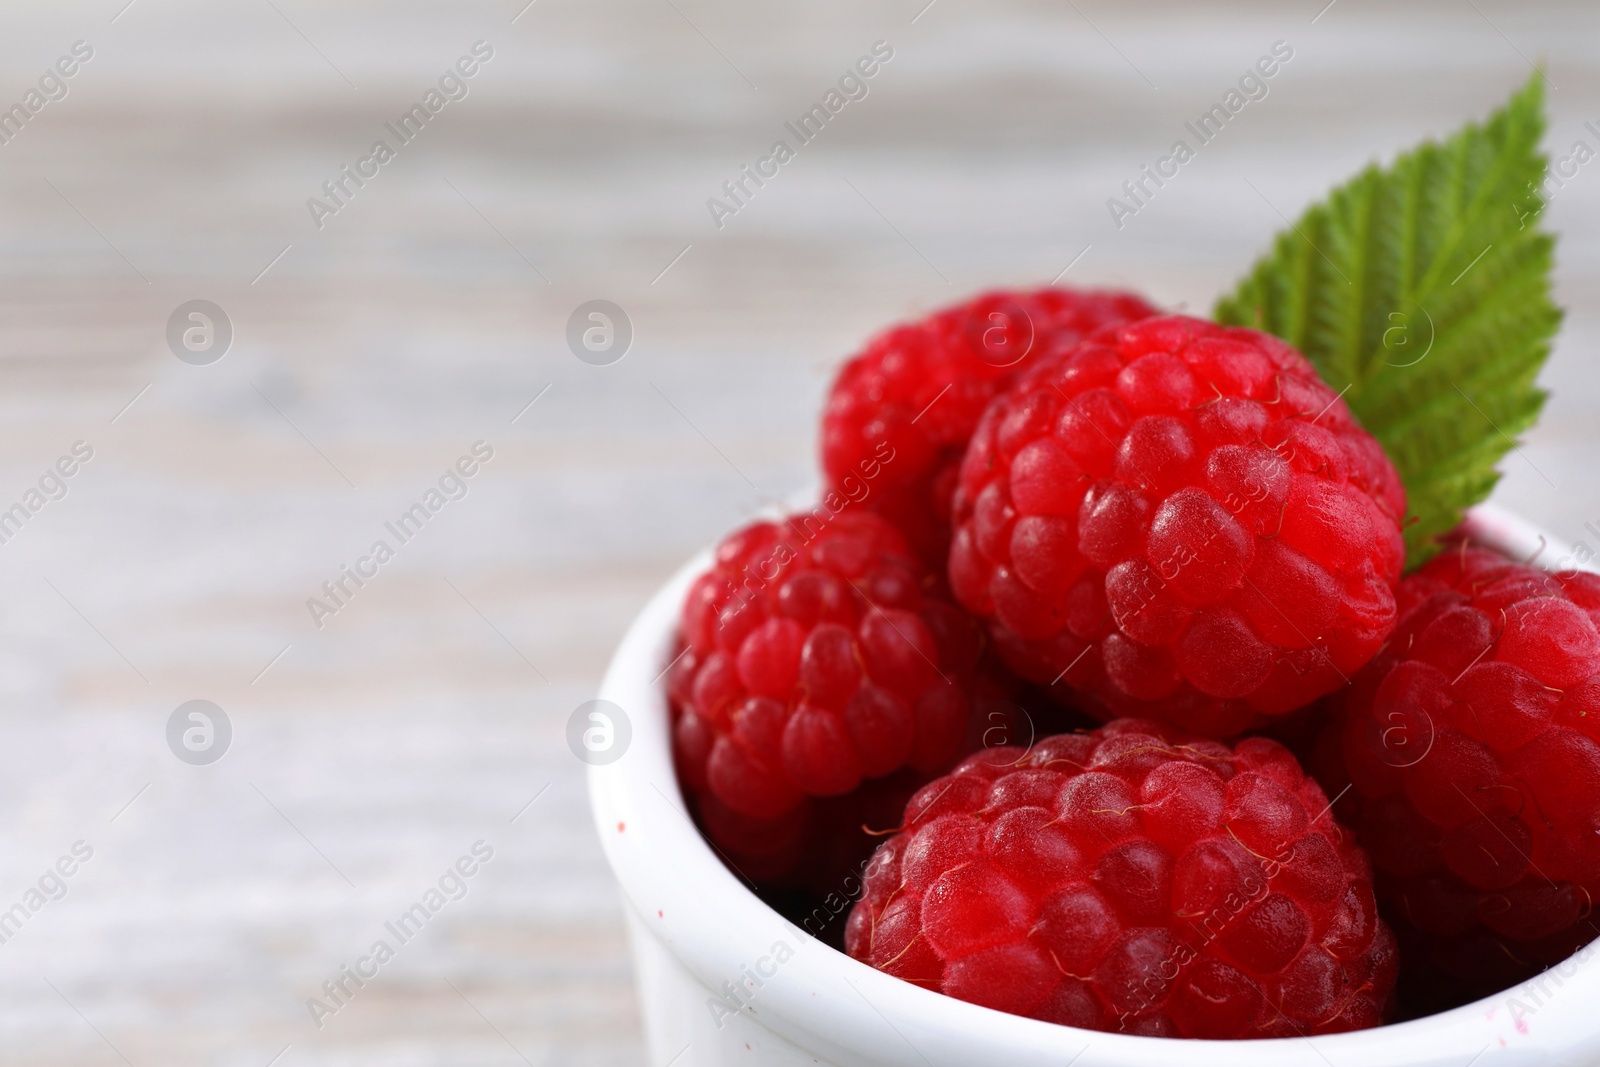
424,315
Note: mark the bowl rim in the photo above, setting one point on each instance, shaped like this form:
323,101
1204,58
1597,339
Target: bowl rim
839,1008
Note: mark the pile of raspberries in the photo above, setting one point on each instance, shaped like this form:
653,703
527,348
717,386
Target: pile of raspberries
1092,690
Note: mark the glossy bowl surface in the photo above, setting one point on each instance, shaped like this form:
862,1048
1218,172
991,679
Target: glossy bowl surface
724,979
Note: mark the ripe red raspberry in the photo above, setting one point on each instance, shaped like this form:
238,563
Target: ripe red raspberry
1182,521
900,413
1473,744
1130,879
818,654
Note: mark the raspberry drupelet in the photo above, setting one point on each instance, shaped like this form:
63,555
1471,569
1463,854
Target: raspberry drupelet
1181,521
1131,879
816,655
899,414
1473,746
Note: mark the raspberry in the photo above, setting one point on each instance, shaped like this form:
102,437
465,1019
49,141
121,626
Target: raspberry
1475,764
1132,879
816,656
1181,521
900,413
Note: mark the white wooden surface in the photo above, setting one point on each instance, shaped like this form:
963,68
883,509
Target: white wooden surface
424,316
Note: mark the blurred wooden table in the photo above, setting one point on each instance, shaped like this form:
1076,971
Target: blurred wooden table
369,354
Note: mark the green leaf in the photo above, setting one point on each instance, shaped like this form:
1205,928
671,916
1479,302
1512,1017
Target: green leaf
1424,289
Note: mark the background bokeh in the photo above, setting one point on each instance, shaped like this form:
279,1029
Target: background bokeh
369,754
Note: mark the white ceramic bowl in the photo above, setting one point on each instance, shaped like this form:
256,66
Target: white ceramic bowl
724,979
